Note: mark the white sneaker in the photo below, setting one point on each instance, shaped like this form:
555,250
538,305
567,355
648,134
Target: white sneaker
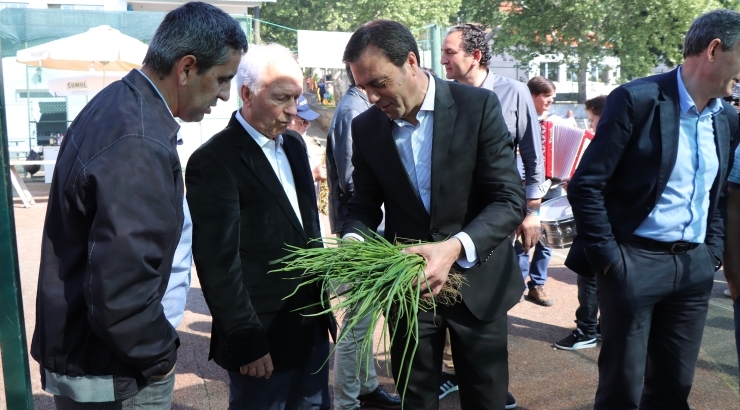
727,293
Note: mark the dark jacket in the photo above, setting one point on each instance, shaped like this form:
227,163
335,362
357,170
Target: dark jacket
114,219
475,188
626,167
339,155
243,220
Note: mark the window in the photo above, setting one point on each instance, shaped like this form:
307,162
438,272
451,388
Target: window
550,71
75,7
13,6
594,74
23,94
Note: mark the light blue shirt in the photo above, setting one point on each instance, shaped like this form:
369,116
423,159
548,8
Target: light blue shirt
414,143
176,295
681,213
734,177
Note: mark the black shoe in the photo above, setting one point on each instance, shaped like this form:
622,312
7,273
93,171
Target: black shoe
448,385
510,401
576,341
598,331
381,399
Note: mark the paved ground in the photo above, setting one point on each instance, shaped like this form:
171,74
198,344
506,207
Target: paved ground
541,376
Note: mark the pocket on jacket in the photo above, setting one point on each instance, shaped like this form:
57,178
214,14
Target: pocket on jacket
461,150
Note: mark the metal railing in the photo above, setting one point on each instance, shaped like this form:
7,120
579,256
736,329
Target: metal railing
16,372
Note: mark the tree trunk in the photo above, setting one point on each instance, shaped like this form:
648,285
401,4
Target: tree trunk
582,75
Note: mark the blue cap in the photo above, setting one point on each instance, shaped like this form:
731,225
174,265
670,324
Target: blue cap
304,111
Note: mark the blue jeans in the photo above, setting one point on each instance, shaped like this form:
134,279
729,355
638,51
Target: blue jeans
157,395
588,307
537,270
300,389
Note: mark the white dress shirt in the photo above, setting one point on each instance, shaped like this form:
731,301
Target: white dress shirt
414,143
275,154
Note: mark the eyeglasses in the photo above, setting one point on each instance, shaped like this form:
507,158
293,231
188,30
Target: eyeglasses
303,122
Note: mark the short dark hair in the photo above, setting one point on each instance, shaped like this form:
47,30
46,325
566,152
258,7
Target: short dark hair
596,104
197,29
474,38
721,23
350,77
391,37
540,85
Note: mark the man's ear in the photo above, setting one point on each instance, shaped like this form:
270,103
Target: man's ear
477,55
411,59
245,93
186,68
712,48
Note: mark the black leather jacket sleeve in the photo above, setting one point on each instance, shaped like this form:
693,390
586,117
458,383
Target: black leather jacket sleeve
131,230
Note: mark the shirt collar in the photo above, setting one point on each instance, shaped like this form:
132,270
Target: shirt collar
257,136
686,102
179,137
426,106
488,81
157,90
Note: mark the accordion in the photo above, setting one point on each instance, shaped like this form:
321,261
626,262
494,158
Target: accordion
562,148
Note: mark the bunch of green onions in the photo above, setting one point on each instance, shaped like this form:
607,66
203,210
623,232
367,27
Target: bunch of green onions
382,282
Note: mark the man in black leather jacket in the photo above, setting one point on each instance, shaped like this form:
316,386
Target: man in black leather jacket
115,218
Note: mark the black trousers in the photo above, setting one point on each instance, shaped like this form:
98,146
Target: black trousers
653,307
481,360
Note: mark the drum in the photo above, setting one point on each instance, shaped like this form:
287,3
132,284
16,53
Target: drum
558,226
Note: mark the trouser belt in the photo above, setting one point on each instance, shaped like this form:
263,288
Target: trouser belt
672,247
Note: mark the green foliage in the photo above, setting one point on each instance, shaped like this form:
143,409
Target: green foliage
730,4
642,33
385,283
331,15
328,15
650,33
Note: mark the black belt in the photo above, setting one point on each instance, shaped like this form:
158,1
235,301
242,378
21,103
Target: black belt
672,247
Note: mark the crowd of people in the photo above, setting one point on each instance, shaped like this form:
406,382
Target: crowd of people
408,155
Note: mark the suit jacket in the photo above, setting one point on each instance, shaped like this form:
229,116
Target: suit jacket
475,188
339,155
243,220
626,167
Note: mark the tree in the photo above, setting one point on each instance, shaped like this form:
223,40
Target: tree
332,15
642,33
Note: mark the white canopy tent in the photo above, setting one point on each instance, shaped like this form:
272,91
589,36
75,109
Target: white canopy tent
87,85
322,49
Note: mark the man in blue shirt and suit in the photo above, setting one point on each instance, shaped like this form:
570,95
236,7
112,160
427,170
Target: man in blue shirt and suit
647,206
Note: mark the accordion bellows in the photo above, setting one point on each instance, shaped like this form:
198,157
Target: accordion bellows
563,148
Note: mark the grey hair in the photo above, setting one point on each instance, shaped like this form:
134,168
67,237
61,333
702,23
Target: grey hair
257,60
721,23
197,29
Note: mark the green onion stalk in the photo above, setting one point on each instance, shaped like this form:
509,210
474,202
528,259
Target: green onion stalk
383,282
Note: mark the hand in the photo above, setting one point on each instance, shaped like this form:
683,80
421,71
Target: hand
530,231
319,173
440,257
261,367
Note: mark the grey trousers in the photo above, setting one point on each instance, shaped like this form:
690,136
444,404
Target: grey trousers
653,307
353,375
155,396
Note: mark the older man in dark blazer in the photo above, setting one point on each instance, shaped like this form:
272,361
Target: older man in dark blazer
647,206
251,193
440,158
